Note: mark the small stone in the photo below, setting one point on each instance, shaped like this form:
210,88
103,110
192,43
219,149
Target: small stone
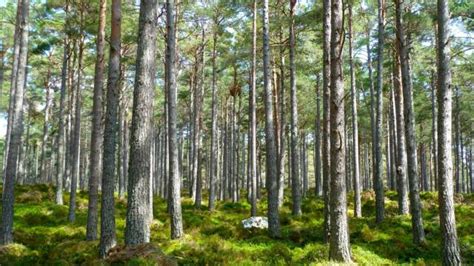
255,222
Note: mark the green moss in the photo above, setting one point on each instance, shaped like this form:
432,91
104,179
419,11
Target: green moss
44,235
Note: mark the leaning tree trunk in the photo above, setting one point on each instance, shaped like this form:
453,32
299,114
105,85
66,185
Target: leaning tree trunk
96,135
355,129
107,213
450,249
339,249
295,163
14,145
415,202
326,126
174,179
137,229
271,152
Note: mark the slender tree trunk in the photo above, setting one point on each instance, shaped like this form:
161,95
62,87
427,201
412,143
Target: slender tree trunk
44,143
434,131
295,167
355,129
13,80
2,68
175,183
326,124
271,153
372,103
317,142
415,202
97,128
107,217
393,134
283,134
213,165
16,114
339,249
137,229
76,134
378,165
253,118
402,187
450,246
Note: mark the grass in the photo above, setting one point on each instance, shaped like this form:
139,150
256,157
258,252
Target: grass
44,236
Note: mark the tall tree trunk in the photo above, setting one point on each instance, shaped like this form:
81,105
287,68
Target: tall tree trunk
326,124
137,229
16,118
174,178
415,202
450,251
2,67
457,145
13,80
283,131
271,153
44,143
393,134
355,129
76,134
434,131
378,171
97,128
253,118
339,249
317,142
402,187
213,165
372,103
295,167
107,213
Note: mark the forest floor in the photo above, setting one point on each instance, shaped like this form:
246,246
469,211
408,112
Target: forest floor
44,236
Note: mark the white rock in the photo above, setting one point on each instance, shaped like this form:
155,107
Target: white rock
255,222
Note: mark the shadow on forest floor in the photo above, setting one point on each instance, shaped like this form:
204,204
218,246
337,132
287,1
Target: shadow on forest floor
44,236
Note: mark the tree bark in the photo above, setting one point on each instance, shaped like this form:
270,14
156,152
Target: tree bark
16,119
355,129
76,134
137,229
213,165
107,217
295,163
339,249
253,118
450,246
44,143
434,132
415,202
326,112
378,165
317,142
402,187
97,128
271,153
174,178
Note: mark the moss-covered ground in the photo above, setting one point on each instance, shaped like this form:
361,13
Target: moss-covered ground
44,236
